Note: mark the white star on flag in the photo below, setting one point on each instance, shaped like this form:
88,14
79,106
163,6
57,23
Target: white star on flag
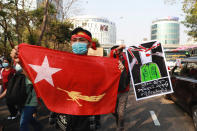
44,72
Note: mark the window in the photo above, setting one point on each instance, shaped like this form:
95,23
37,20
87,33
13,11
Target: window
184,70
154,32
187,70
192,70
154,26
178,71
153,37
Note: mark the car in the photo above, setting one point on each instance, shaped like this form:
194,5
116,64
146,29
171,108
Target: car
184,83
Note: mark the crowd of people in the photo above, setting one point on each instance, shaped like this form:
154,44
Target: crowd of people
13,75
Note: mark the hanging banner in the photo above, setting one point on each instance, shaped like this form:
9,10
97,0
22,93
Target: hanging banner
148,70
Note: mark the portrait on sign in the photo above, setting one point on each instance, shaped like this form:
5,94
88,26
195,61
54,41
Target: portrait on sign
148,70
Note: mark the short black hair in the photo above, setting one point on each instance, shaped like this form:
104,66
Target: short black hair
114,47
8,59
79,29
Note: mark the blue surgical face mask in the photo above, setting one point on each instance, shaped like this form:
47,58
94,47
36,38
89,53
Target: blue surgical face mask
18,68
5,64
79,48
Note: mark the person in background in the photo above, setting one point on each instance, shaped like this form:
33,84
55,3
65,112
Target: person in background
81,40
30,108
123,89
1,57
1,69
7,73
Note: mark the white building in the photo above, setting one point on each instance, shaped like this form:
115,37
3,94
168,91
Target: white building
166,30
34,4
28,4
119,42
101,28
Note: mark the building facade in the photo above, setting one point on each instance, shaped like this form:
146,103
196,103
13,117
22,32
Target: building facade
59,7
34,4
101,28
166,30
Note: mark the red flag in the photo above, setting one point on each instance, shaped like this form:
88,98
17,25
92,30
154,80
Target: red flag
69,83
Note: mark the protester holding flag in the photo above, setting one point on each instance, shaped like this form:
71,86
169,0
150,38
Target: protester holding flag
30,105
80,41
84,80
29,109
123,89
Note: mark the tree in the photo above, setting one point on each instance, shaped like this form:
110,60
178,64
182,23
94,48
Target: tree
59,33
189,7
70,7
38,27
5,25
44,23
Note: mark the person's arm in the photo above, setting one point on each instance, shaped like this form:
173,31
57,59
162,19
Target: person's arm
173,69
117,50
122,46
14,54
134,60
3,94
121,66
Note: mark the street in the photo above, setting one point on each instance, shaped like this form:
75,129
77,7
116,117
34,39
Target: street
154,114
138,117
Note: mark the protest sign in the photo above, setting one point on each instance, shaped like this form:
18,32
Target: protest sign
148,70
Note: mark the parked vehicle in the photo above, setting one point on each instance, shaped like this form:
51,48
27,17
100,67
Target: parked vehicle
184,83
179,53
172,55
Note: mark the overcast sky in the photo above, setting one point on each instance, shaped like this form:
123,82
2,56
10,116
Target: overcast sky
133,18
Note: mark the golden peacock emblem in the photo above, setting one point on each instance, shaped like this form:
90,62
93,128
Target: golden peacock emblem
75,96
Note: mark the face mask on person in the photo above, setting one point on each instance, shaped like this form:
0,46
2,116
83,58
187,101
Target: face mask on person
18,68
5,65
79,48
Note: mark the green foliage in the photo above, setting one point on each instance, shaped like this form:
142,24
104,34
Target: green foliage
21,25
32,38
97,42
59,31
37,15
190,9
